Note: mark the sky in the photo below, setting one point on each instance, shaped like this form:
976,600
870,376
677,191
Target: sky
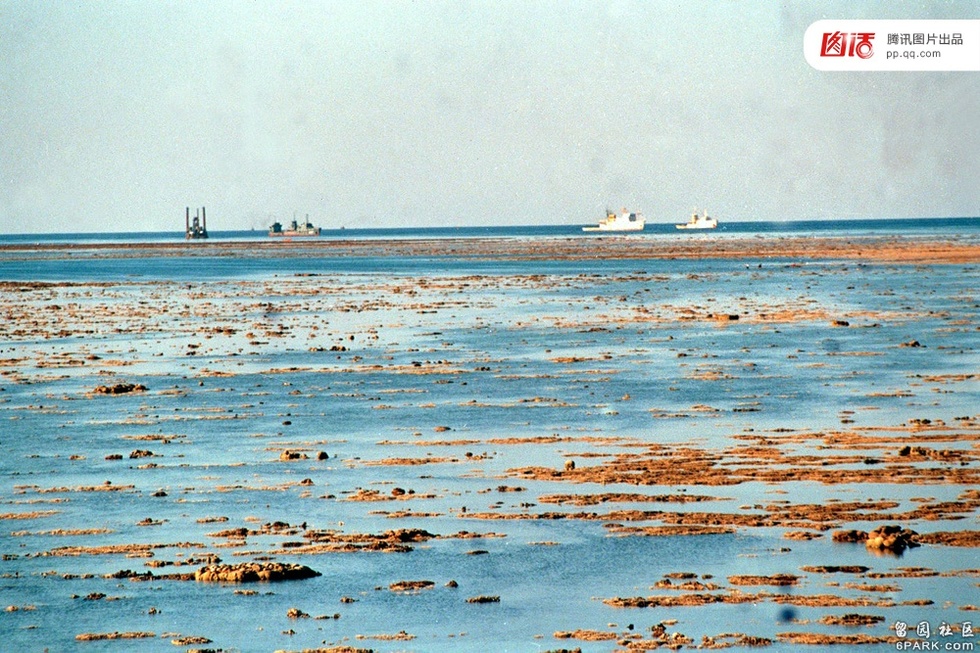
116,115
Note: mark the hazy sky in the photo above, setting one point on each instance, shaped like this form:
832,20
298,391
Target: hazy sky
114,116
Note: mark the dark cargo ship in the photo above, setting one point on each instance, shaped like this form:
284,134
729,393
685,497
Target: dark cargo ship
295,229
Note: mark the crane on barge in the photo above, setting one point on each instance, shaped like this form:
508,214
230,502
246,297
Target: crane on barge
198,227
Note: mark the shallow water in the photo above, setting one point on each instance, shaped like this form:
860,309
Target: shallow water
445,378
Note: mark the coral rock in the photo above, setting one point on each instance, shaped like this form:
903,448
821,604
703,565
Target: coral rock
891,538
250,572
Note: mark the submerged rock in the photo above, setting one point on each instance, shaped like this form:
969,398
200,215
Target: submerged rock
483,599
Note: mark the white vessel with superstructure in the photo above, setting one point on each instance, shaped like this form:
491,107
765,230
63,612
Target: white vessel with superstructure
624,221
699,222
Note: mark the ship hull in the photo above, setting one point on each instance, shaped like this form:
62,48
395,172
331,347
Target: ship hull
625,221
696,226
632,227
294,234
703,221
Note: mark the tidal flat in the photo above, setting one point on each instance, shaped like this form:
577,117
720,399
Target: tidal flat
490,444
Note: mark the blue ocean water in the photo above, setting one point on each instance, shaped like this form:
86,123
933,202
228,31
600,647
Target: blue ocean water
436,375
965,226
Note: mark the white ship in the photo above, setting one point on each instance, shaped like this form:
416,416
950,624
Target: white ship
625,221
699,222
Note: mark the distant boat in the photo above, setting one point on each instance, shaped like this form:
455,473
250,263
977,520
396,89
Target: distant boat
625,221
295,229
699,222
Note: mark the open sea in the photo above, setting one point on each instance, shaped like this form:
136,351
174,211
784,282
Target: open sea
880,226
529,440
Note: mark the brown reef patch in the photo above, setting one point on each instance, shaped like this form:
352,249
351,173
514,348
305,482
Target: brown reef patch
847,457
251,572
93,637
870,249
852,619
119,389
954,538
586,635
778,580
819,639
411,585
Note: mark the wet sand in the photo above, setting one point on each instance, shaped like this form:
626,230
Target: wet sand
175,356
